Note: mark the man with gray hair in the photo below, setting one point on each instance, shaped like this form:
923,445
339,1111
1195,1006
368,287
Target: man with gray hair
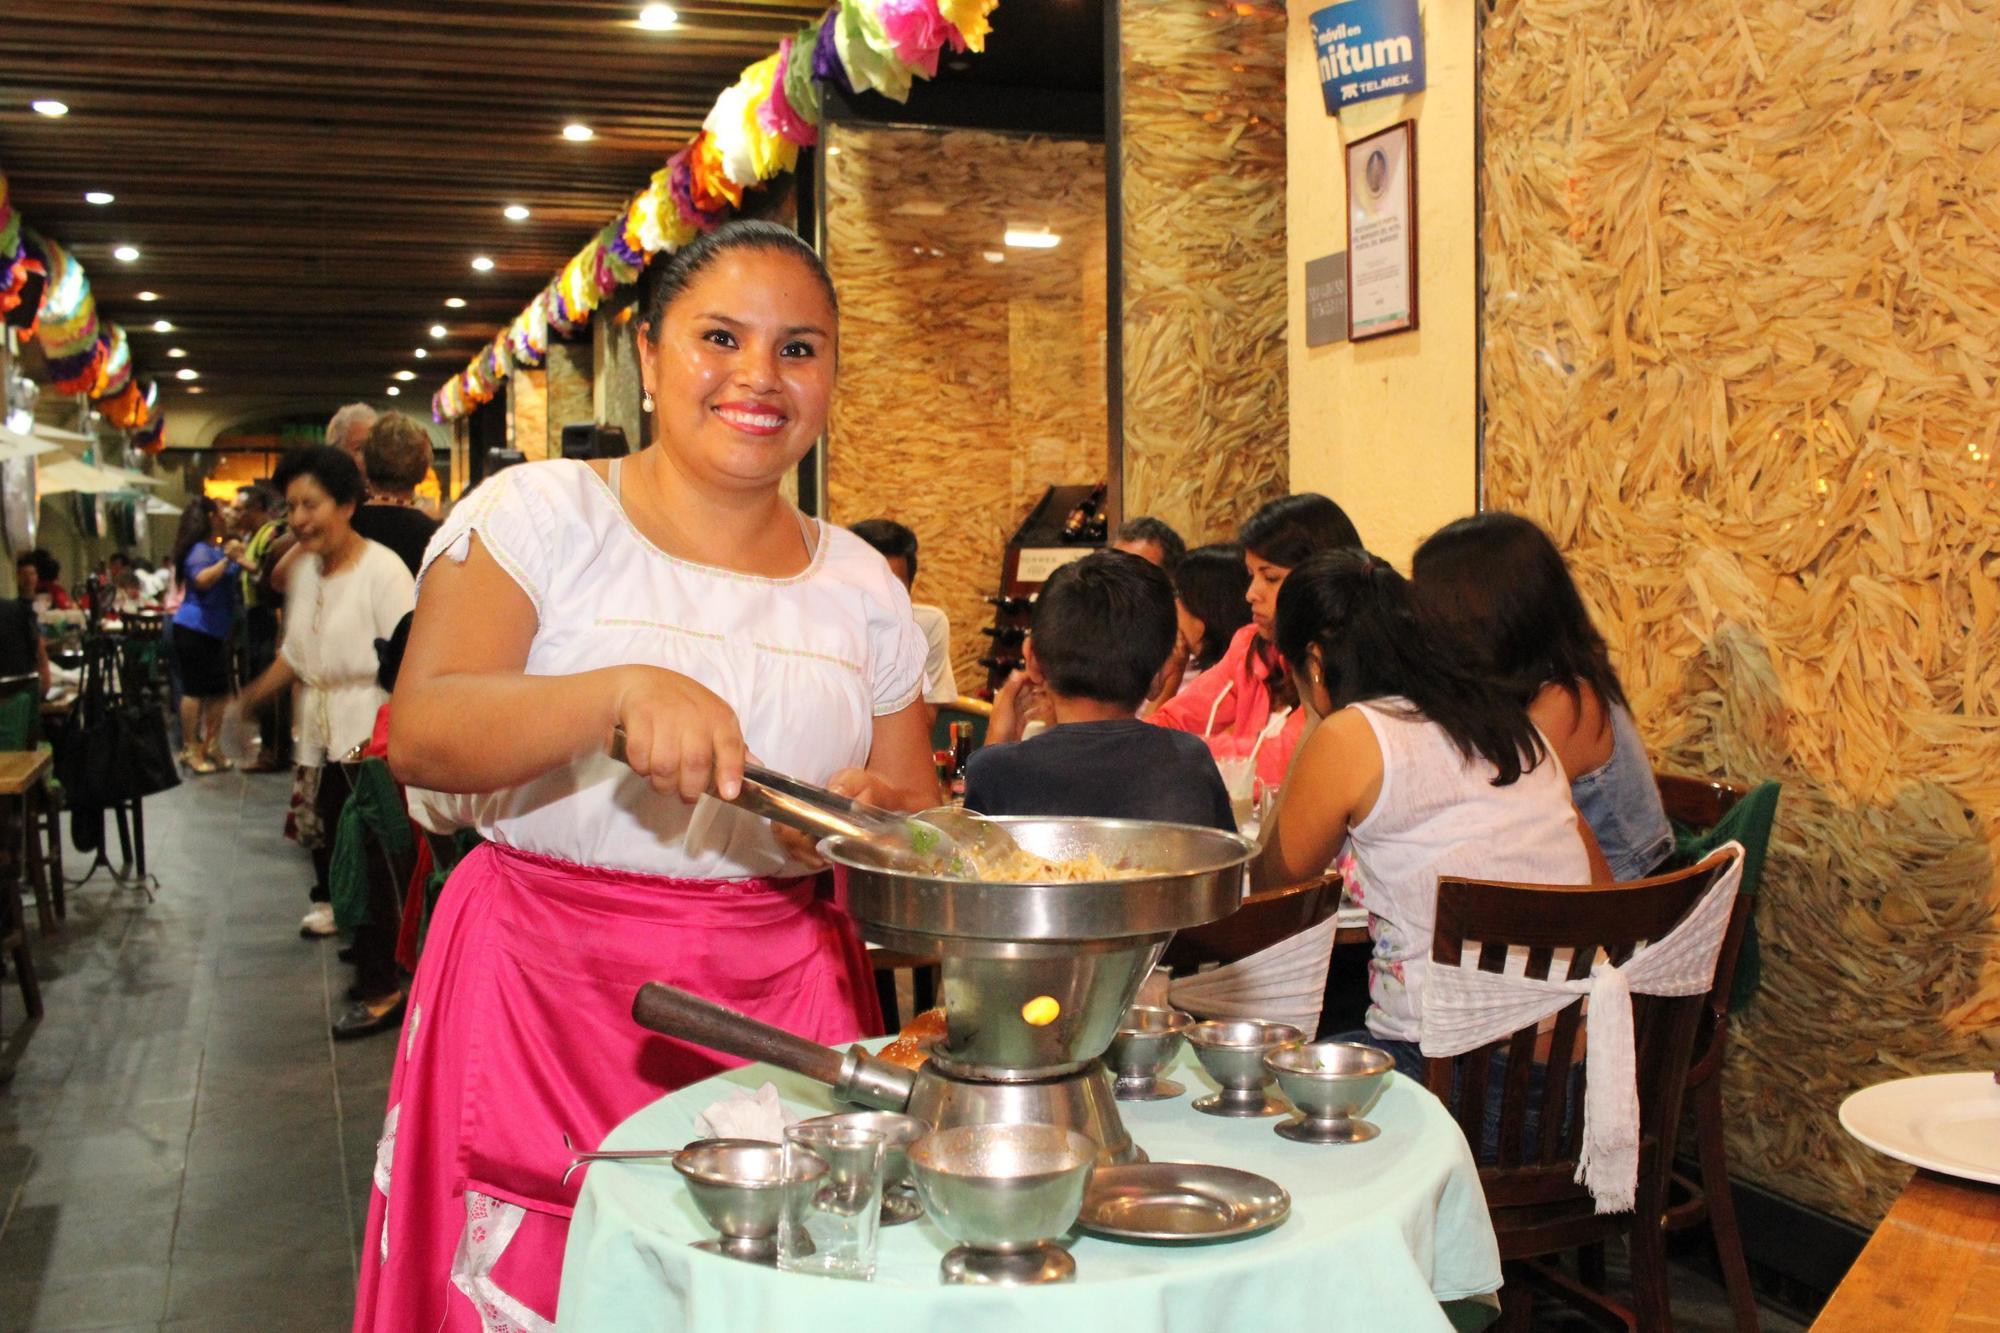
349,430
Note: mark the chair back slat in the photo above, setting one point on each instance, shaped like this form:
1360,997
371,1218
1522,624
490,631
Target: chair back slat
1547,930
1263,919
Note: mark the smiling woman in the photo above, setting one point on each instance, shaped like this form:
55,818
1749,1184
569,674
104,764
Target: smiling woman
677,595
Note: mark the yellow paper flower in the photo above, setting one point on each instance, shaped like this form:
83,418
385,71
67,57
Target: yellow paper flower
749,152
969,17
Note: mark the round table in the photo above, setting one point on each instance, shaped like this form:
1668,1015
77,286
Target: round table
1379,1234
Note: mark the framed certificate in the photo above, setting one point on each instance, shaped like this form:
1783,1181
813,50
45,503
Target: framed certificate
1382,232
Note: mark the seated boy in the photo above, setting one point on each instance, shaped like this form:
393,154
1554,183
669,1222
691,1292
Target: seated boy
1102,629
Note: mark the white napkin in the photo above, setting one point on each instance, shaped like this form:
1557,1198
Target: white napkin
746,1115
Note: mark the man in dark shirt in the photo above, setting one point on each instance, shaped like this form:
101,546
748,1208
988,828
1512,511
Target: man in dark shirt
1102,629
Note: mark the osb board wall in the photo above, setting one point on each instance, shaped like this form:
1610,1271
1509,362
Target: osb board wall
1202,160
967,386
569,372
1742,320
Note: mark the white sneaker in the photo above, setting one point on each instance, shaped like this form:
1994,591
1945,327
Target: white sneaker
318,923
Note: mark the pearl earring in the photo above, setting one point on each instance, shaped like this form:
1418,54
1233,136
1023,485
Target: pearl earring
645,401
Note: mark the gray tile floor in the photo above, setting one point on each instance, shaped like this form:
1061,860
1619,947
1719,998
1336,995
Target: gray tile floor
183,1147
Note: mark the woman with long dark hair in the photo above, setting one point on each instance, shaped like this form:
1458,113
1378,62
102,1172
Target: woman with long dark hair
205,567
1421,767
677,597
1210,584
1245,694
1495,592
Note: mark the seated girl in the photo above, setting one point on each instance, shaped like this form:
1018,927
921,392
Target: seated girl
1494,589
1420,767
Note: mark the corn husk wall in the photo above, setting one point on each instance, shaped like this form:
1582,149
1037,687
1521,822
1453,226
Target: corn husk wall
1202,156
967,386
1742,322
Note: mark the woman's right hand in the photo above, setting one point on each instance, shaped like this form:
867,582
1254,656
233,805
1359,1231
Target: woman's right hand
678,734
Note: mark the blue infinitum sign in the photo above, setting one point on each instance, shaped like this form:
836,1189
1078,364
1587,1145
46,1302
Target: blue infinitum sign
1368,49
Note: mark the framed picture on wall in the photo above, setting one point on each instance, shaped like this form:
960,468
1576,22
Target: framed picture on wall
1382,232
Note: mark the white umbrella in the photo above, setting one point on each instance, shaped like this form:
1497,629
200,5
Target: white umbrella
72,474
130,476
13,444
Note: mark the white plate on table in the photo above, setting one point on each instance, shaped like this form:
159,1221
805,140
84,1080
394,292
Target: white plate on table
1943,1122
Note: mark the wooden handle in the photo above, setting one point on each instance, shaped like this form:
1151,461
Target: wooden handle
677,1013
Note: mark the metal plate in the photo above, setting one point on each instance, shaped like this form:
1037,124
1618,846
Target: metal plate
1180,1201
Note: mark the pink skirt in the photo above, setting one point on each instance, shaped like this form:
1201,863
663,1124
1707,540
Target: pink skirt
520,1031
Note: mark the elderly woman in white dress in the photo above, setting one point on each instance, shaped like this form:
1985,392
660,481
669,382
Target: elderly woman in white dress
678,596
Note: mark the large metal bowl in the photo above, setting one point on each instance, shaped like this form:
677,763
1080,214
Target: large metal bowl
1035,977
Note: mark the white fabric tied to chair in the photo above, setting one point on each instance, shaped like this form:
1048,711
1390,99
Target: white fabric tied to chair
1284,983
1465,1008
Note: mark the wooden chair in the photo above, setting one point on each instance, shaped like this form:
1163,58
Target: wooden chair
1538,1209
21,772
923,970
1264,919
1700,804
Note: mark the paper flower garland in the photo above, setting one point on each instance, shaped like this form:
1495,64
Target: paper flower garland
751,136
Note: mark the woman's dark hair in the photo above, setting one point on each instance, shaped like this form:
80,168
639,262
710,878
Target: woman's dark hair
46,565
1293,530
1493,589
668,276
1211,582
890,538
196,520
1356,610
1103,627
334,469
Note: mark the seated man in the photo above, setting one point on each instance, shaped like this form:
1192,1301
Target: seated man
898,546
1102,629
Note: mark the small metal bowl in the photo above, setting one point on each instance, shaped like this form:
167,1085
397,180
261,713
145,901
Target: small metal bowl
1332,1083
739,1186
1232,1050
899,1193
1004,1193
1148,1038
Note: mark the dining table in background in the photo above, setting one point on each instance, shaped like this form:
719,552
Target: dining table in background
1391,1233
1933,1264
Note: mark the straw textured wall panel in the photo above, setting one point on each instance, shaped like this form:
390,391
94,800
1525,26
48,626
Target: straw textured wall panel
966,386
1742,320
1203,159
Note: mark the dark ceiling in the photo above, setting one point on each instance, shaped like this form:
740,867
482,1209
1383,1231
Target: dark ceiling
308,182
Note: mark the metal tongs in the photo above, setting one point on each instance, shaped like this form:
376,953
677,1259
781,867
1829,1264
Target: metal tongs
946,842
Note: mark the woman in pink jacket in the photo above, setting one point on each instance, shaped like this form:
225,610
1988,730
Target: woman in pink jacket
1245,694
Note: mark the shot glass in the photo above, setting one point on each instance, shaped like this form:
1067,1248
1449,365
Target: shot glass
833,1200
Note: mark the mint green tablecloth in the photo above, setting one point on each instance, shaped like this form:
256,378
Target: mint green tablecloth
1379,1234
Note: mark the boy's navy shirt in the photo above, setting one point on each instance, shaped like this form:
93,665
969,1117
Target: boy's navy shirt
1120,769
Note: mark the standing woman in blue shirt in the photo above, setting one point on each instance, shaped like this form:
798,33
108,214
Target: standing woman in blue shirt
204,566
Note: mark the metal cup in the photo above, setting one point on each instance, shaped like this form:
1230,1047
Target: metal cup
833,1200
1147,1040
1332,1083
1232,1050
739,1186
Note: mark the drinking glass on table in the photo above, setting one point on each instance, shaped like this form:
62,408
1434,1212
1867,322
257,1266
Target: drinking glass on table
830,1220
1239,775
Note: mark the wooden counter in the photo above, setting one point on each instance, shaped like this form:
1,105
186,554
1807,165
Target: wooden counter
1932,1266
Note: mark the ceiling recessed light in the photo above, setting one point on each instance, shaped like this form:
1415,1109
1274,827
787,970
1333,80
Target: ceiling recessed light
577,132
98,197
995,256
149,296
438,330
49,107
187,373
194,388
162,326
1023,239
515,213
421,353
406,375
393,391
125,253
454,303
177,352
658,18
482,264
